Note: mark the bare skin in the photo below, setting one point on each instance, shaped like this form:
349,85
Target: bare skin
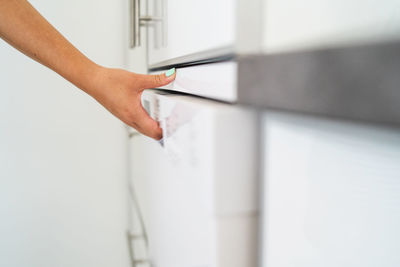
117,90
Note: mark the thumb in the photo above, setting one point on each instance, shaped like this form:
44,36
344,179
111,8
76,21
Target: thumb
154,81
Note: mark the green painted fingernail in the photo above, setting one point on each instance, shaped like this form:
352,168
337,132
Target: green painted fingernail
170,72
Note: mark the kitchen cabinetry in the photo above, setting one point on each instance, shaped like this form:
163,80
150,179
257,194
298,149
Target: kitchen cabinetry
329,188
198,197
287,54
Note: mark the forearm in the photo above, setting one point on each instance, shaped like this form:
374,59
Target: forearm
25,29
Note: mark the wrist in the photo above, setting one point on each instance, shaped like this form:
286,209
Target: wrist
92,79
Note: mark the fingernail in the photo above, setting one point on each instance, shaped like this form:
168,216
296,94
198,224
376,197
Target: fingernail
170,72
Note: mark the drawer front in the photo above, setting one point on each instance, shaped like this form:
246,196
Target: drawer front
331,193
190,27
291,25
196,189
208,139
216,81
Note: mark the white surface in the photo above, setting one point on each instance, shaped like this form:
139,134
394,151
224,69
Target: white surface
249,26
331,193
191,220
62,155
217,81
194,26
291,25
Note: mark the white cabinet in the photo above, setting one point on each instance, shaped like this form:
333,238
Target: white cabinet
190,27
177,29
275,48
197,189
189,31
331,193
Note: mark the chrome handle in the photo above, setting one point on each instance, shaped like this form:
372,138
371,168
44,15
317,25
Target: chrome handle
134,10
133,23
148,19
136,21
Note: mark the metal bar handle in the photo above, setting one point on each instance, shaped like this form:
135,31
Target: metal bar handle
136,21
131,22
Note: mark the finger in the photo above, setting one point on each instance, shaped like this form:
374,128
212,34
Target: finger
146,125
154,81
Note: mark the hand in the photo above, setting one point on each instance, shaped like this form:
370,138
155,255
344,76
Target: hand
117,90
120,92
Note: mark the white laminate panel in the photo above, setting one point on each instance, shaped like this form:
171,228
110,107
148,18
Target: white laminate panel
331,193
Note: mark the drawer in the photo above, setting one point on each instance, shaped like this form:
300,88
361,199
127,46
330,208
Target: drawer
197,189
331,193
216,81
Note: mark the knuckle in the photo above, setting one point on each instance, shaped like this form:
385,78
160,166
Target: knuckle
158,79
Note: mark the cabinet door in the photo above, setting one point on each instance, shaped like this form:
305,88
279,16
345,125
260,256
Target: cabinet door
190,27
331,193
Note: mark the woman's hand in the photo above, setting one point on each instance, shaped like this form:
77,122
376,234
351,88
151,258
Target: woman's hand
117,90
120,92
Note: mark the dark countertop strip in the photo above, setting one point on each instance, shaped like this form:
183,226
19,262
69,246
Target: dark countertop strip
361,83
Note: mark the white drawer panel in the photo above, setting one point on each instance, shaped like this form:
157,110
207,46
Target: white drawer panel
331,194
217,81
197,189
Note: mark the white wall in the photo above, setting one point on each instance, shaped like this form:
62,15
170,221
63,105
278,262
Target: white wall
62,156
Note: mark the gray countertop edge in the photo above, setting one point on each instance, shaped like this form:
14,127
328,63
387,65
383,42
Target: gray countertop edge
358,83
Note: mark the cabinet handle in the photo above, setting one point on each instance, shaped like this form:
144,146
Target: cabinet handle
136,21
131,21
